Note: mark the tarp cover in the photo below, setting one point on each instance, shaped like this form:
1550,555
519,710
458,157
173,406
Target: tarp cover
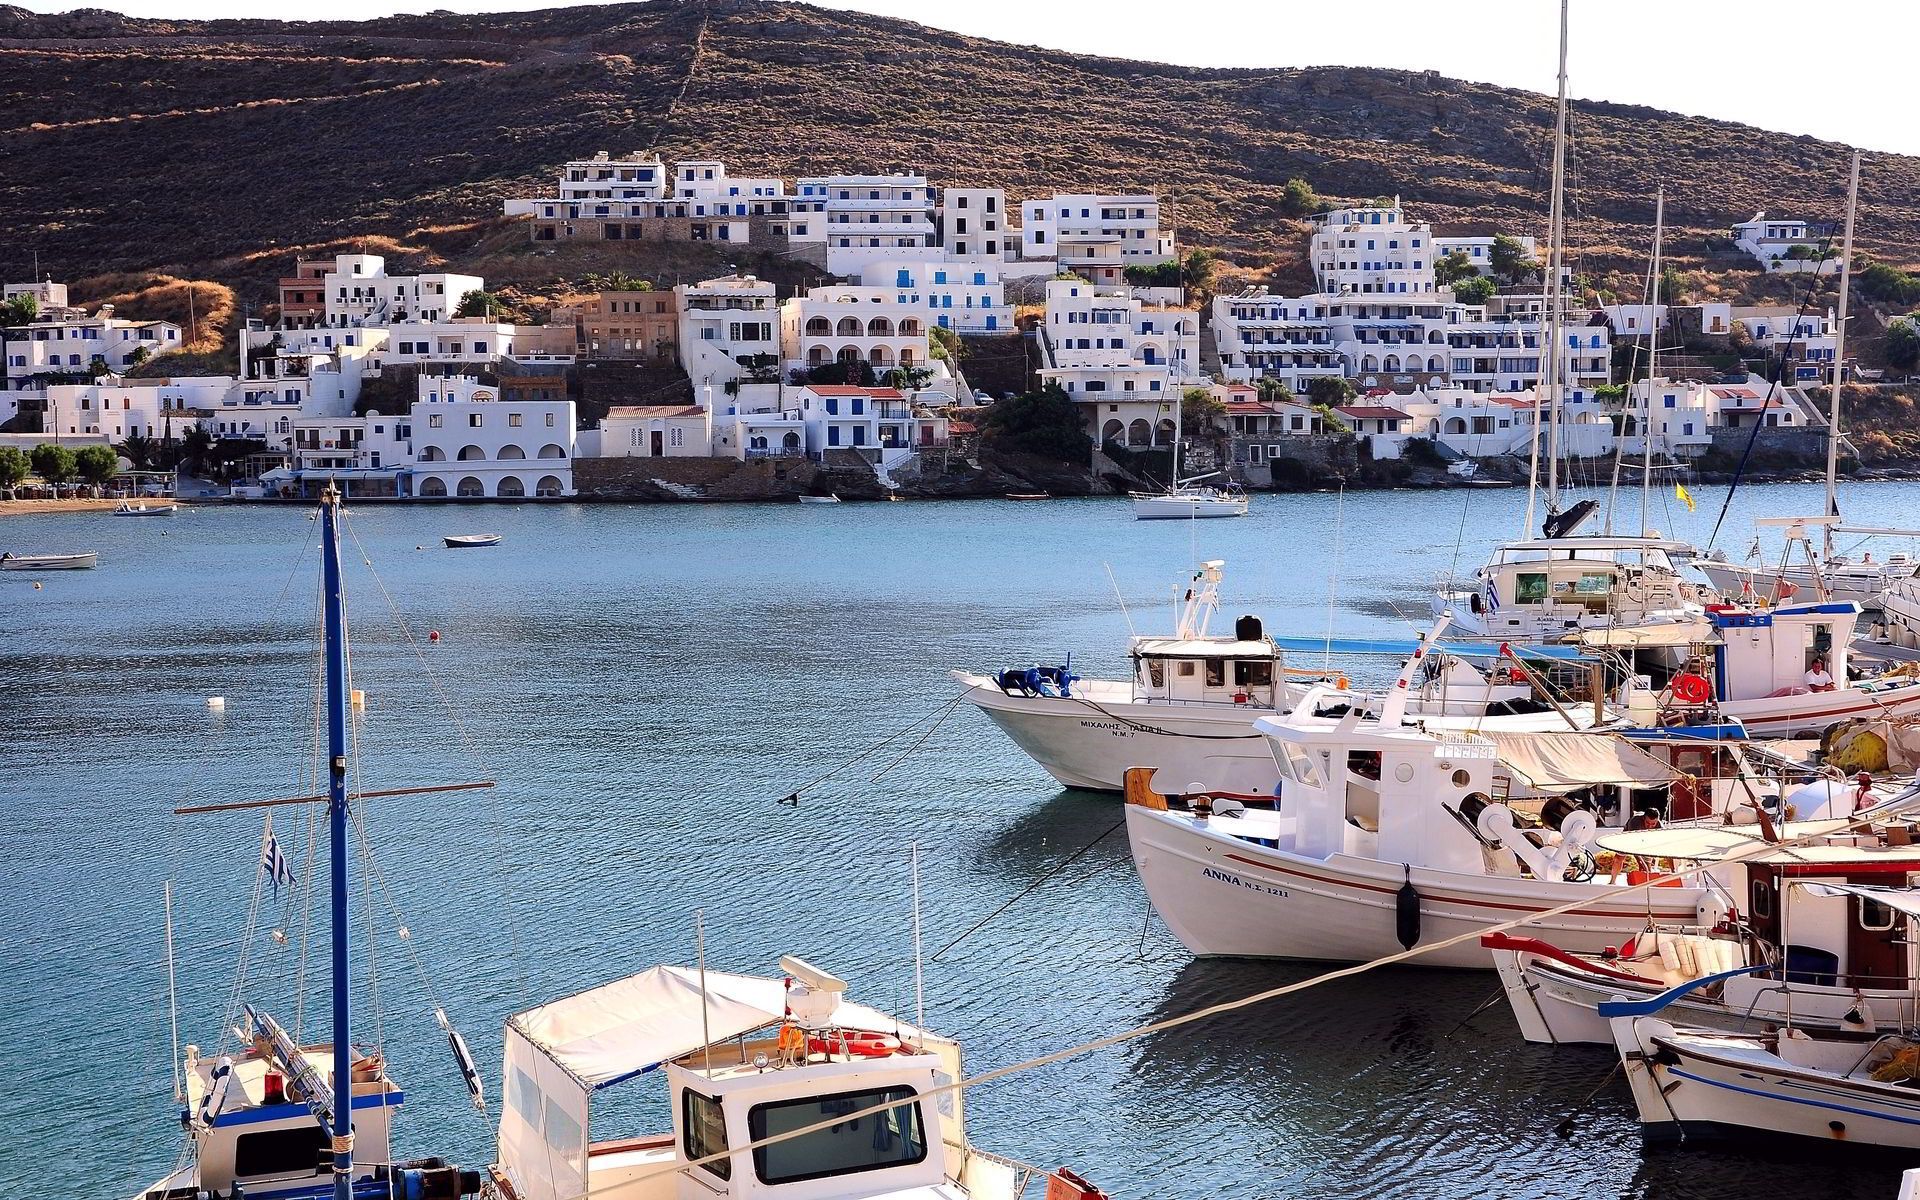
1711,843
619,1029
1666,633
1554,762
1901,900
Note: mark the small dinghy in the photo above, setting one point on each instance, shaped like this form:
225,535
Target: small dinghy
49,562
1028,496
143,509
829,498
469,541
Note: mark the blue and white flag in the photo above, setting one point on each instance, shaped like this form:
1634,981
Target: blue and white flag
275,864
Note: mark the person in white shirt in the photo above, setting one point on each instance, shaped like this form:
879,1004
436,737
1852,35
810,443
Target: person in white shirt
1817,678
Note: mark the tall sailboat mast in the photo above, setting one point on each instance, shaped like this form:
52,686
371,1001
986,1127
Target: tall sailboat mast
1839,361
1653,357
336,653
1550,366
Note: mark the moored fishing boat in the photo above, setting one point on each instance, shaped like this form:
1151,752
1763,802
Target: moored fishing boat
471,541
143,509
1547,588
864,1100
83,561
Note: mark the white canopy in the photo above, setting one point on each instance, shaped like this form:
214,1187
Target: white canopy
1901,900
621,1029
1662,633
1562,761
1711,843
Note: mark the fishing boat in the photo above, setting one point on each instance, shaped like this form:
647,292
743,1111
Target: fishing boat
274,1117
1542,589
1818,935
50,562
1029,496
1817,1087
1383,836
143,509
471,541
1192,698
829,498
865,1099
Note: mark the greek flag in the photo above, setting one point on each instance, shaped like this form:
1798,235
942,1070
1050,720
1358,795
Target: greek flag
1493,596
275,864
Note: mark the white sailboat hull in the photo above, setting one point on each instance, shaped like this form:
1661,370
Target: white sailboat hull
1691,1083
1860,582
1223,896
1178,507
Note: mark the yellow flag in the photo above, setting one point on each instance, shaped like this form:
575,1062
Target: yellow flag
1683,495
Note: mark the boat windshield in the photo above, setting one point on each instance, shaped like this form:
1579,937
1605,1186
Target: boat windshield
1618,555
894,1139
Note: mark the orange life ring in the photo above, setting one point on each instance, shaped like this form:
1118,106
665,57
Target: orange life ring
864,1045
1689,688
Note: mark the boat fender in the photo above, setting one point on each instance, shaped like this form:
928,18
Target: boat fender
1406,912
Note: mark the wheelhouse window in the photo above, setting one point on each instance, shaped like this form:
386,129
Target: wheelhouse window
1156,669
279,1152
895,1138
1216,673
1257,673
706,1131
1875,916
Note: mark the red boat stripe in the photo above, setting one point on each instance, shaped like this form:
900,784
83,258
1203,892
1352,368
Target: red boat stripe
1687,913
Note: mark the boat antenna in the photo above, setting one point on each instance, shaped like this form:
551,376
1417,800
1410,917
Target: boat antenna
1839,361
919,978
1115,584
173,1006
700,955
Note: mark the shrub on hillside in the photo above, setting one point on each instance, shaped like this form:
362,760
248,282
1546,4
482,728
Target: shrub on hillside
1044,423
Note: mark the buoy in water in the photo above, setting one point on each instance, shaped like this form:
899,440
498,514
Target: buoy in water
358,699
36,585
216,702
433,635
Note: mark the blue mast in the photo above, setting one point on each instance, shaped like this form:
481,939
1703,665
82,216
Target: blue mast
336,633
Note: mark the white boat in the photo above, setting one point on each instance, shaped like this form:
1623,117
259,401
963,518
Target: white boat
829,498
1190,704
1751,666
470,541
743,1058
1544,589
143,509
1188,502
1698,1083
1384,836
50,562
1862,582
1820,939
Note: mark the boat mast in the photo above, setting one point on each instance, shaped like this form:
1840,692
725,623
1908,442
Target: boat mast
1551,366
1653,357
336,650
1839,362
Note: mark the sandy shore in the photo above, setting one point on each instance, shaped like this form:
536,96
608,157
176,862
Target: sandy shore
22,508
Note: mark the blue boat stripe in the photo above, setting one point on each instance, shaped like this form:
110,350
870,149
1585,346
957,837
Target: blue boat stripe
280,1112
1734,1087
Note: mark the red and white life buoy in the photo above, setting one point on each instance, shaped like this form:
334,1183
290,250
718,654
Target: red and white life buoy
1689,688
855,1042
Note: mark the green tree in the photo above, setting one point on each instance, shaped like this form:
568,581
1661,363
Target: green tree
1477,289
945,343
616,281
910,379
1510,260
1045,423
140,450
1330,421
1273,391
138,356
1160,274
478,303
196,449
1882,282
1740,338
1199,270
97,464
1673,287
1330,390
1454,266
1297,198
55,464
13,468
1200,410
20,309
1903,344
1799,252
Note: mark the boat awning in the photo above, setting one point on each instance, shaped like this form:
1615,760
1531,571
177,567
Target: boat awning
1901,900
625,1028
1404,647
1711,843
1554,762
1200,648
1664,633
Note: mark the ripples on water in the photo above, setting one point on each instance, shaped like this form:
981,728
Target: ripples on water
645,683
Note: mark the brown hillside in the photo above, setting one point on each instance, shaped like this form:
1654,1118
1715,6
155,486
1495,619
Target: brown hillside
139,144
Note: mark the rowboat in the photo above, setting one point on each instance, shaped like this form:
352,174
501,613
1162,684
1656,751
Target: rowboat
1028,496
49,562
829,498
143,509
469,541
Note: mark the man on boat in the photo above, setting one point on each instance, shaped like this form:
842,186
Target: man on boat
1817,678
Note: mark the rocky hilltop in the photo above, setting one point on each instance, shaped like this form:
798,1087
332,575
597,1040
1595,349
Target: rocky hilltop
130,144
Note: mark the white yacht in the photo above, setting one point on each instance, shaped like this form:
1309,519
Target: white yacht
1544,589
1862,581
742,1059
1187,500
1190,705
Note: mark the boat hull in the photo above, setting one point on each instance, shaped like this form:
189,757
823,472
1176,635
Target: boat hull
1224,897
1814,713
472,541
1861,584
1182,508
50,562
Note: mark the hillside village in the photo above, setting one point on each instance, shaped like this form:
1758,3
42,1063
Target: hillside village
927,340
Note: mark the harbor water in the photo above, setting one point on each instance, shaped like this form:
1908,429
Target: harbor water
645,685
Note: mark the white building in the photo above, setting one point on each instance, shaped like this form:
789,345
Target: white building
714,193
1505,355
1806,339
69,340
467,442
1384,427
1096,236
876,421
967,297
1262,335
1124,360
1478,250
1372,251
974,223
866,219
46,293
655,431
601,186
843,323
1771,242
360,292
730,333
116,409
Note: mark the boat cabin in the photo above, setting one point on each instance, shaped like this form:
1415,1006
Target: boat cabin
1577,580
1767,652
742,1058
1207,670
1840,924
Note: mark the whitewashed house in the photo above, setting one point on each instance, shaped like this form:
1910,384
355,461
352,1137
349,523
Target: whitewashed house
1096,236
656,431
1770,242
116,409
1384,428
879,326
730,335
359,291
877,421
1124,360
68,341
467,442
974,224
1806,339
866,219
1260,335
1372,251
599,187
1478,251
967,297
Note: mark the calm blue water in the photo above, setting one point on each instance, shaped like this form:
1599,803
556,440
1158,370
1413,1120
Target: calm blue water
645,683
